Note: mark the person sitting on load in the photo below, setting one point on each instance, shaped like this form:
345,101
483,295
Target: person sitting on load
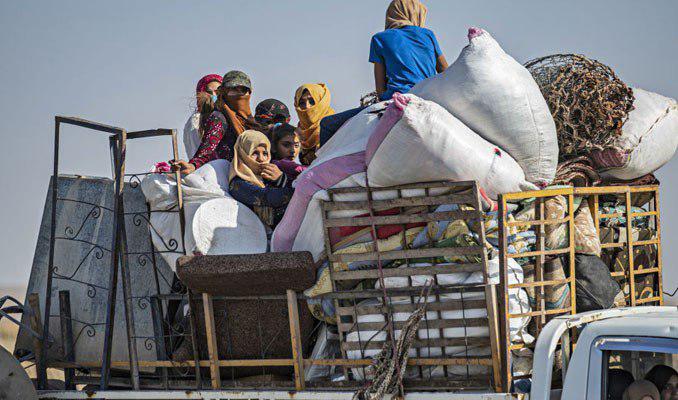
404,54
231,117
312,102
206,96
285,146
270,112
255,181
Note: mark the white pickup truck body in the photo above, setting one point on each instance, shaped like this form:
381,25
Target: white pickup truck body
632,331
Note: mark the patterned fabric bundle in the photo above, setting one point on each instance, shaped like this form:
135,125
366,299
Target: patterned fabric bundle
555,296
577,172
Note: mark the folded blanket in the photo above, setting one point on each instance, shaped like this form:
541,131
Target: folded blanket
579,171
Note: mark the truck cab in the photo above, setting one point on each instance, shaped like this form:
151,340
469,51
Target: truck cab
634,339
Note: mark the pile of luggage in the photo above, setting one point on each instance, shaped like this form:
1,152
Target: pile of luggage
564,120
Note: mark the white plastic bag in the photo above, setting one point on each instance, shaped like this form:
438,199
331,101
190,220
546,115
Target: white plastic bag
498,99
650,134
426,143
212,232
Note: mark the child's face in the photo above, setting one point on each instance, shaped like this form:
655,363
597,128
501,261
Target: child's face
288,147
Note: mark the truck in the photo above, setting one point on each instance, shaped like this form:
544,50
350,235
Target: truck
123,343
637,338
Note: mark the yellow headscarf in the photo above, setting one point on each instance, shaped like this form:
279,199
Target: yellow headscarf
242,165
405,12
309,119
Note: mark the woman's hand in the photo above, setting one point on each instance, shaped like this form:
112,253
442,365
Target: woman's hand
184,167
270,172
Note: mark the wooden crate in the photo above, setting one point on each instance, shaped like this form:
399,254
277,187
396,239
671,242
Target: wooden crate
539,313
363,210
647,197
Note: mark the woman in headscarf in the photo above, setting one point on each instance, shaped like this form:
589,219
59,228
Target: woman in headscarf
270,112
255,182
206,95
404,54
231,117
312,102
641,390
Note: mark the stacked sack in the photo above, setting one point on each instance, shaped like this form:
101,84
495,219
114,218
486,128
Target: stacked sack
483,119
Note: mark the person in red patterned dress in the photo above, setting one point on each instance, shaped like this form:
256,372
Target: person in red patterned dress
231,117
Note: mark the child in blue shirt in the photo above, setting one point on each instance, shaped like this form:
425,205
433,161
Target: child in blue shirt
404,54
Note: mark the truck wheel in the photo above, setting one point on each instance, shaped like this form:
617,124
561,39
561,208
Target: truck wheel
14,382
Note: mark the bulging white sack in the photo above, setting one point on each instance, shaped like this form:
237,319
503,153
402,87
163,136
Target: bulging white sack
498,99
339,163
224,226
212,231
427,143
650,135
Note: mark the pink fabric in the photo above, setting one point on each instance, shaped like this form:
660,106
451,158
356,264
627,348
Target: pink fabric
162,167
394,112
205,80
474,32
609,158
318,178
290,168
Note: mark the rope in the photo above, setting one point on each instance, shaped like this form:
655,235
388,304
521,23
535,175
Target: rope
385,298
391,363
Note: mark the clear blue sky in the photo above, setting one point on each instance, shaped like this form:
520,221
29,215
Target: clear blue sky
135,64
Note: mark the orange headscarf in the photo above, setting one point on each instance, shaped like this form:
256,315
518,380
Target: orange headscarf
242,165
405,13
237,111
309,119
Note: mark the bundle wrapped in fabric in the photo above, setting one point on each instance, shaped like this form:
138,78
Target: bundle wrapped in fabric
339,163
497,98
418,141
518,304
215,223
648,139
410,141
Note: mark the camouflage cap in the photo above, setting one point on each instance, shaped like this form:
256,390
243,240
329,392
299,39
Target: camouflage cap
236,78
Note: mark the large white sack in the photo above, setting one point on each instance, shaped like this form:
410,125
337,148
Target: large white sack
207,183
224,226
497,98
650,134
419,141
339,163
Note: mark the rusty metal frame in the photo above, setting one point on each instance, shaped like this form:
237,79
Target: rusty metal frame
593,194
120,134
539,256
117,143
